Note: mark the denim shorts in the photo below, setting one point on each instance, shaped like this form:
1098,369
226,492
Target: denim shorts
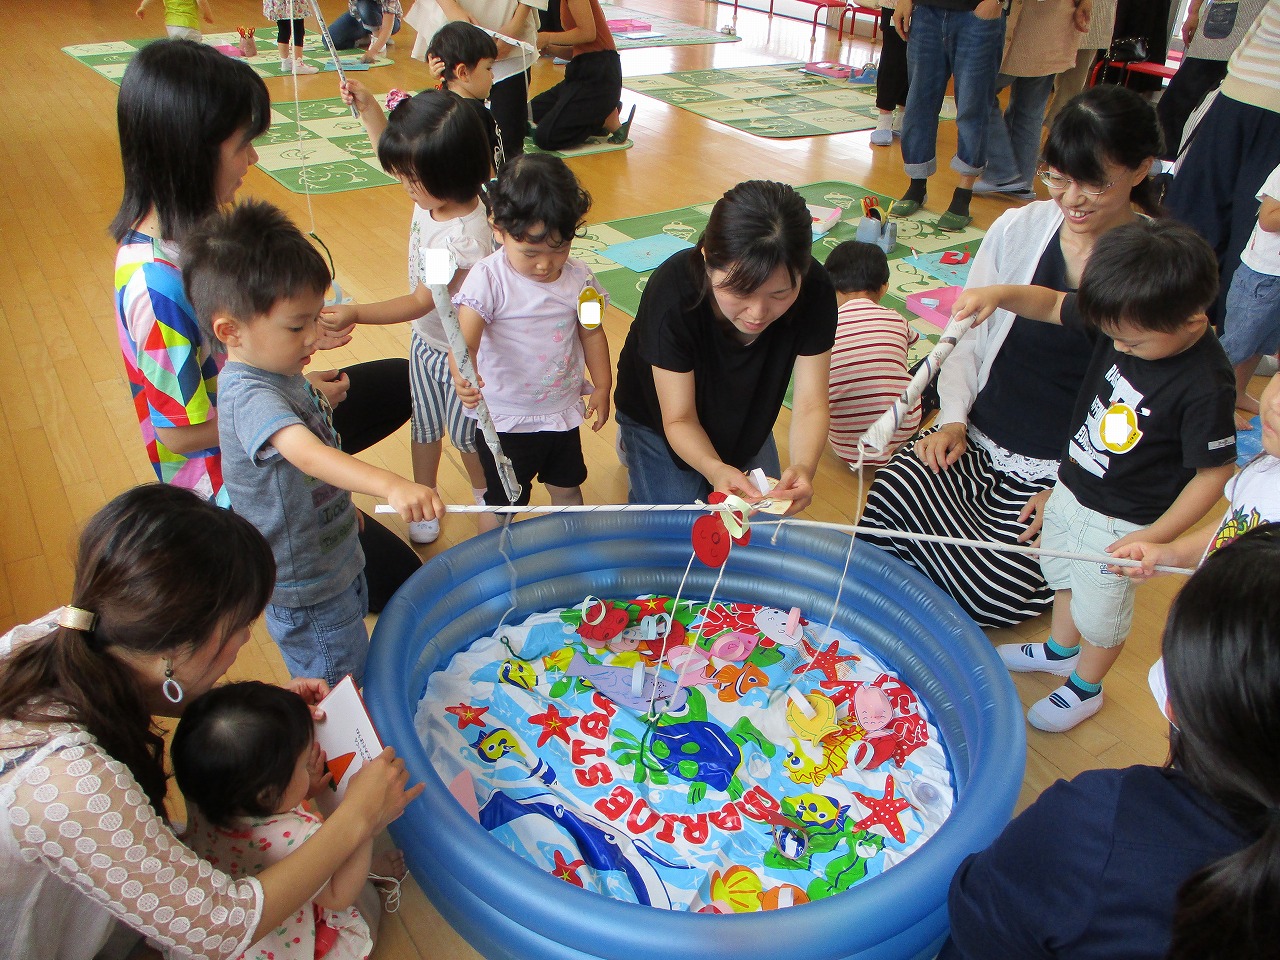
1101,602
326,639
1252,325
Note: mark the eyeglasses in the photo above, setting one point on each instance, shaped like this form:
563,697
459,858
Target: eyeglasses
1056,181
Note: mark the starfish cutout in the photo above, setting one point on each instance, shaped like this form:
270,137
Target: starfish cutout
884,812
567,870
827,661
468,716
553,724
652,607
841,690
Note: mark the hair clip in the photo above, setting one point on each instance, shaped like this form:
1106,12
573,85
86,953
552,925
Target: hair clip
395,97
77,618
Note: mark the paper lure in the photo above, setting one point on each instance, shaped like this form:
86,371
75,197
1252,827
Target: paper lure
346,735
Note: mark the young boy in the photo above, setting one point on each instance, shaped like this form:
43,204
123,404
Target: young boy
257,286
869,360
1153,445
462,55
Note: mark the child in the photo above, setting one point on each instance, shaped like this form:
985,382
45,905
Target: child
1152,447
518,309
891,80
246,760
869,360
180,17
1253,301
283,12
436,147
257,286
464,54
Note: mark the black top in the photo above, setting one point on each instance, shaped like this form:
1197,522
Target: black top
1089,871
738,388
490,128
1143,427
1025,405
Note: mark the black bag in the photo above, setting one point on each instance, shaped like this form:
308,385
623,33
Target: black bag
1128,50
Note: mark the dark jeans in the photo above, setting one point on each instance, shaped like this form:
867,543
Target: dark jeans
346,30
576,108
377,405
1189,86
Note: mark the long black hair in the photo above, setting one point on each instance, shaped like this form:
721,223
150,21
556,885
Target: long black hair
1222,661
179,101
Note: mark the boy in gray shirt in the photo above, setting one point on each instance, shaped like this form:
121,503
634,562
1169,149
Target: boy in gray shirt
257,286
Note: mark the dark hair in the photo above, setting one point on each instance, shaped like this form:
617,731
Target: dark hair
1222,661
459,43
437,139
755,228
1107,123
179,101
856,266
1153,275
242,261
537,189
236,748
144,568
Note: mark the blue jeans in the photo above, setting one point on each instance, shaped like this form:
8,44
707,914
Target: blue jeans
945,44
1013,137
653,477
326,639
346,30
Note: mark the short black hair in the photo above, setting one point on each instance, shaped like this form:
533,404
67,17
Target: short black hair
1153,275
756,227
855,266
537,188
243,260
459,43
436,139
236,748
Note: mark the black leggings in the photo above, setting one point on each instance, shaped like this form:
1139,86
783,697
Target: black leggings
377,405
282,34
891,76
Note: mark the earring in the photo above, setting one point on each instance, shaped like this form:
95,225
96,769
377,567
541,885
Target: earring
171,689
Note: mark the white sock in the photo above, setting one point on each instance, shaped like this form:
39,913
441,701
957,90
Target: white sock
286,63
885,122
478,493
897,118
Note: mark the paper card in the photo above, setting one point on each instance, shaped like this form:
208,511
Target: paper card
645,253
824,218
346,735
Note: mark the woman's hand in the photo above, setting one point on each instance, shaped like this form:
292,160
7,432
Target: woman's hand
333,384
795,485
902,18
943,447
1189,25
312,690
1082,16
1032,514
379,789
733,482
988,10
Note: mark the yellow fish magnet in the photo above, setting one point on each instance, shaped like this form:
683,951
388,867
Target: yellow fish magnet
813,728
590,308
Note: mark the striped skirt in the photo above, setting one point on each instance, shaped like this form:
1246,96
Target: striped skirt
971,500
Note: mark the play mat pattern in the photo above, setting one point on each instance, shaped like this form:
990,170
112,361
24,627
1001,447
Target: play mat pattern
770,101
730,802
333,155
109,59
671,33
914,265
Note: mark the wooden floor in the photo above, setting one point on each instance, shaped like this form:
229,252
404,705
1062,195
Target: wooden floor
68,437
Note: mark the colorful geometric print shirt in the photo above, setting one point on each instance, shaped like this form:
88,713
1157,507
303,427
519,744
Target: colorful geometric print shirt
172,373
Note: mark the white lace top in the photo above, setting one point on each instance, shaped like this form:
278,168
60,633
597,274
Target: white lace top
80,844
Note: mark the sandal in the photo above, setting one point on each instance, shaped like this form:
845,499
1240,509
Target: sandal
953,222
905,208
620,135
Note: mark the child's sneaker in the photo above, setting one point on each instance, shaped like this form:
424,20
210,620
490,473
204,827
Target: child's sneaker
424,531
1034,658
286,65
301,66
1062,710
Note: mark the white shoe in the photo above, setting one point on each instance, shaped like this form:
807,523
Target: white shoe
1062,710
881,137
1034,658
302,67
424,531
286,65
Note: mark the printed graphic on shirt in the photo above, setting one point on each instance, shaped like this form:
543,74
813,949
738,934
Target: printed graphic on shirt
1236,523
1113,426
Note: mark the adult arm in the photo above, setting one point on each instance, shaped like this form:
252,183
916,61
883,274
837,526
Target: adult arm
810,419
583,31
688,438
902,18
1192,22
378,42
514,27
1034,303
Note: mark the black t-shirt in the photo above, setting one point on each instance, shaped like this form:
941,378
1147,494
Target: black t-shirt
1026,403
738,388
491,130
1143,427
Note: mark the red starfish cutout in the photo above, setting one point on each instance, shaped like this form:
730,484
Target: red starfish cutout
826,661
652,607
884,812
553,724
468,716
567,870
841,690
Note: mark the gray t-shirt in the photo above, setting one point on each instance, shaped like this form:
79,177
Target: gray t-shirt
1218,35
310,524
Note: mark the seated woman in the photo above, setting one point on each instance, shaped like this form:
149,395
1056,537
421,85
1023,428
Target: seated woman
1008,389
720,330
585,103
1182,861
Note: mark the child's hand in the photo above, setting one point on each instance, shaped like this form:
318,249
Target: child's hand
436,66
380,791
984,301
1150,554
355,92
413,501
598,407
334,384
340,318
468,394
318,771
368,57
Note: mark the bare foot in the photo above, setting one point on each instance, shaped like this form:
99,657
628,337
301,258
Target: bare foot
1242,422
389,864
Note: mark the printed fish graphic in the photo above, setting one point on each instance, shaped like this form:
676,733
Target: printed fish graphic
615,683
736,682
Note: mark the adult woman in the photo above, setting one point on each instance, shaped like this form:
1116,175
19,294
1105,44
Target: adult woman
1181,862
188,116
705,366
1008,389
82,780
586,100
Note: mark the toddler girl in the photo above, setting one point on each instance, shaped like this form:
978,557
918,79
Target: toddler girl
286,15
245,757
518,309
435,144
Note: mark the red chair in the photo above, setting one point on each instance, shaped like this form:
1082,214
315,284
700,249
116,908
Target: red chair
848,10
1141,66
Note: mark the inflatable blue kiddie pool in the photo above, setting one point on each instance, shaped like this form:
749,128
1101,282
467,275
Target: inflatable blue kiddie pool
506,907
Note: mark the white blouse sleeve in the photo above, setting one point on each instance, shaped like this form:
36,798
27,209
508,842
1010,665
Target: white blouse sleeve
83,816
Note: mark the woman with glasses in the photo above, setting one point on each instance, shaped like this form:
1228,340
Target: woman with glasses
1007,391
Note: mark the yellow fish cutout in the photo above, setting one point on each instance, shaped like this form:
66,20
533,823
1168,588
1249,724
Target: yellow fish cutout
822,723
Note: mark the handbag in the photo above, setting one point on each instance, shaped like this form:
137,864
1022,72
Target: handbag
1128,50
